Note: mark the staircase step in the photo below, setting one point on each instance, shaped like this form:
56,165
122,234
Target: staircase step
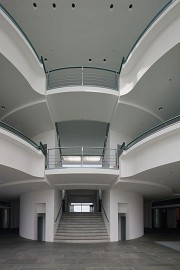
81,241
81,228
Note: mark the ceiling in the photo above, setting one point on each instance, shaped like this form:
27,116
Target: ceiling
83,33
15,90
82,178
167,175
82,133
158,90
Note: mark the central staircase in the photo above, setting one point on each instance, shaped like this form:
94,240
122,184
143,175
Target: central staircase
81,228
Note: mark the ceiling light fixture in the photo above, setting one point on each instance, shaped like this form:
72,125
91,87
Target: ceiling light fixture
111,6
72,158
73,5
90,60
160,108
130,6
92,158
34,5
54,5
104,60
3,107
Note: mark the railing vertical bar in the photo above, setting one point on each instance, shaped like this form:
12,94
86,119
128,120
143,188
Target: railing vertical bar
82,149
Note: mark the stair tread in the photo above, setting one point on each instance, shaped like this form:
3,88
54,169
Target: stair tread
81,228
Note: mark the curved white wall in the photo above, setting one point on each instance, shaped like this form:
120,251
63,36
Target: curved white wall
130,203
29,211
159,149
17,50
159,39
20,155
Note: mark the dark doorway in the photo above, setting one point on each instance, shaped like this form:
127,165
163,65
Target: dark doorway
41,227
122,227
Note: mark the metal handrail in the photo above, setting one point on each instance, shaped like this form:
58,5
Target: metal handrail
104,211
80,146
80,67
63,157
20,29
79,75
153,130
59,212
148,26
18,133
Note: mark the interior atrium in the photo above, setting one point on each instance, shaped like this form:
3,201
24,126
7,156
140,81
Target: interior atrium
89,118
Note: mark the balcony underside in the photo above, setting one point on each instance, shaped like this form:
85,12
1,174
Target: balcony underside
82,178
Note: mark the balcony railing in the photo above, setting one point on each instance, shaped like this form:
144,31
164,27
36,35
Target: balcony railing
151,131
83,76
19,134
86,157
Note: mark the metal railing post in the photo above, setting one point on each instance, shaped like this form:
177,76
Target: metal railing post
117,82
82,76
82,149
48,159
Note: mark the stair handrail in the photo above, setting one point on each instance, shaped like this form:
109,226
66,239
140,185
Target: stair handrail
59,212
104,211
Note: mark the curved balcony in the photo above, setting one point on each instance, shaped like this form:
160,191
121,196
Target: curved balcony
21,158
19,134
151,131
82,76
81,157
154,157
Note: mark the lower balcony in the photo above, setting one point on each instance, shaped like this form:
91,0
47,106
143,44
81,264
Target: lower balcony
82,167
82,157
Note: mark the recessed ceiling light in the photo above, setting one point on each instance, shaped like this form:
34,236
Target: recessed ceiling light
73,5
111,6
160,108
3,107
54,5
35,5
130,6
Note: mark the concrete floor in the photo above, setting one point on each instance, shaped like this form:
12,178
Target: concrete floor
140,254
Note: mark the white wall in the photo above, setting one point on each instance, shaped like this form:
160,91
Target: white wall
134,213
117,138
57,204
48,137
28,214
105,198
20,155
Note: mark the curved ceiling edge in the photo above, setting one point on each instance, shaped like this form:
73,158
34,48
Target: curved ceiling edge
16,49
153,45
141,108
22,107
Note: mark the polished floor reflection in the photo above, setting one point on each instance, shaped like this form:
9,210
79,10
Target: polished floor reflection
140,254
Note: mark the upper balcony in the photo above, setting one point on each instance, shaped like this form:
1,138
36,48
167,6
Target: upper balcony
82,167
82,76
